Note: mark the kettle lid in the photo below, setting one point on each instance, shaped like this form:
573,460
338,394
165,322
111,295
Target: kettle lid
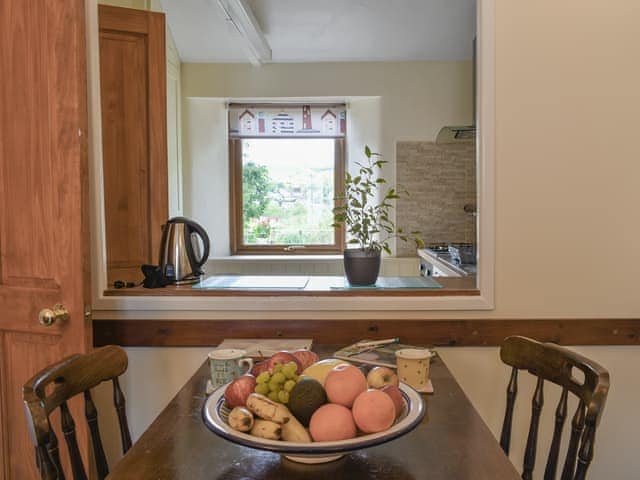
179,220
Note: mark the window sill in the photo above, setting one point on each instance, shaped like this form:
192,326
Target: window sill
275,258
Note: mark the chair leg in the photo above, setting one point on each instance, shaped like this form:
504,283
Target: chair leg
38,460
45,465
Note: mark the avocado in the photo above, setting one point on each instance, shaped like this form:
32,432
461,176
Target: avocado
305,398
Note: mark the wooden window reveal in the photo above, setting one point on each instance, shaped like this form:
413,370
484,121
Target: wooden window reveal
238,244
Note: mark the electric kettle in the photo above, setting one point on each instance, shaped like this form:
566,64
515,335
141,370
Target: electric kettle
180,258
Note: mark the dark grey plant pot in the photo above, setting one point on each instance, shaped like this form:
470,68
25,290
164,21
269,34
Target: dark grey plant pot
361,266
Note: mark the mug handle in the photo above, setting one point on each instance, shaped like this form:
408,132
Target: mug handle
248,362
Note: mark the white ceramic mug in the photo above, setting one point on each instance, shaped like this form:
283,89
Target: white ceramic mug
413,366
226,364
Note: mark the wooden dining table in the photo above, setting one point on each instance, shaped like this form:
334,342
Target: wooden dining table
452,442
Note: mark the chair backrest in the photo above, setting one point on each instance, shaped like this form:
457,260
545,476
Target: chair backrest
50,389
561,366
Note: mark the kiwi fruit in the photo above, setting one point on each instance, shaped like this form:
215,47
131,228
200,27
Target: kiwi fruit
305,398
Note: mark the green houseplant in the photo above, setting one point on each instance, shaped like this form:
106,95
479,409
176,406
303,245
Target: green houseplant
364,210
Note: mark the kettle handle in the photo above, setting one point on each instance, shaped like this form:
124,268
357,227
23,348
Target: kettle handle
205,241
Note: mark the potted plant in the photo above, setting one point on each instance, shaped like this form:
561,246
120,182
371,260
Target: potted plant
366,218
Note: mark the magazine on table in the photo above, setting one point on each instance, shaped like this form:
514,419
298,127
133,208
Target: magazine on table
373,352
265,347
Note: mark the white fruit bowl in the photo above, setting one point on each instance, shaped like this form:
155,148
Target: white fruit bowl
215,413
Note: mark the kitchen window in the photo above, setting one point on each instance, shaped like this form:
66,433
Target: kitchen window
286,168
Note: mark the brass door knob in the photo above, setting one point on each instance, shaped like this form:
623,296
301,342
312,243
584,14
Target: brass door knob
48,316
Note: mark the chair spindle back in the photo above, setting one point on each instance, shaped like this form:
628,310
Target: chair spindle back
558,365
50,389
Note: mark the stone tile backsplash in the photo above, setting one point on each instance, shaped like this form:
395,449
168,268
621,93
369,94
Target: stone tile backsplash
440,179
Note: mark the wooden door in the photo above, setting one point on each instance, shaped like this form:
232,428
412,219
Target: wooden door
134,137
44,243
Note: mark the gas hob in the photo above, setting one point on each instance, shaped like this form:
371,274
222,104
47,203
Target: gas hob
460,257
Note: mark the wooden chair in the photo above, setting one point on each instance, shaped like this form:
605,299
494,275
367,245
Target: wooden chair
558,365
52,387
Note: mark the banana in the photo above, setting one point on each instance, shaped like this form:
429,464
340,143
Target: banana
241,419
266,408
266,429
293,431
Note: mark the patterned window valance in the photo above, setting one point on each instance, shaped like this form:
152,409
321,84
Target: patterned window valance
310,120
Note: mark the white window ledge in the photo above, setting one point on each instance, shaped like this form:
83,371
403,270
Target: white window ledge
275,258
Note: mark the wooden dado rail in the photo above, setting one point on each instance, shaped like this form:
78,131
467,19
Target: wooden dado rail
472,332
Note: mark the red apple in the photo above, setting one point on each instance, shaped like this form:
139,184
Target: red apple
373,411
259,367
283,358
237,392
378,377
306,357
344,383
396,395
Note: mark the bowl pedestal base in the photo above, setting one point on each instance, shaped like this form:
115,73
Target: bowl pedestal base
313,459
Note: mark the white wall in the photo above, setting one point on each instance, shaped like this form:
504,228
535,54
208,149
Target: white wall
566,213
174,128
206,169
364,128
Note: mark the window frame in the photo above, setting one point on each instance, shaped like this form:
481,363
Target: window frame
236,234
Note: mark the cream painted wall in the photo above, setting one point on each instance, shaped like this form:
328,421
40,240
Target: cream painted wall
206,169
566,213
566,168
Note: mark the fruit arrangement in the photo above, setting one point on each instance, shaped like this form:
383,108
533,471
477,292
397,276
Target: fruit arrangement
295,397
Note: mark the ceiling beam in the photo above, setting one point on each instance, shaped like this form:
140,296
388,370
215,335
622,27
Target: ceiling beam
239,14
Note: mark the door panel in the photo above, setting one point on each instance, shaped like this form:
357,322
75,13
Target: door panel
25,355
24,311
125,148
44,242
134,137
28,260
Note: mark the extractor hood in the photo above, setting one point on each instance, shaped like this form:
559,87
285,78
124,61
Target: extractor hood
461,133
456,134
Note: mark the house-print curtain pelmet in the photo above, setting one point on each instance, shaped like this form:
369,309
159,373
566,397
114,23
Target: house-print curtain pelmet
310,120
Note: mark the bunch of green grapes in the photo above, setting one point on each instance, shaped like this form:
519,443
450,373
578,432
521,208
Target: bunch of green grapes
279,383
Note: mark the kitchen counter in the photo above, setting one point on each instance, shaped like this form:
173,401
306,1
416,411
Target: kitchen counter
316,286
